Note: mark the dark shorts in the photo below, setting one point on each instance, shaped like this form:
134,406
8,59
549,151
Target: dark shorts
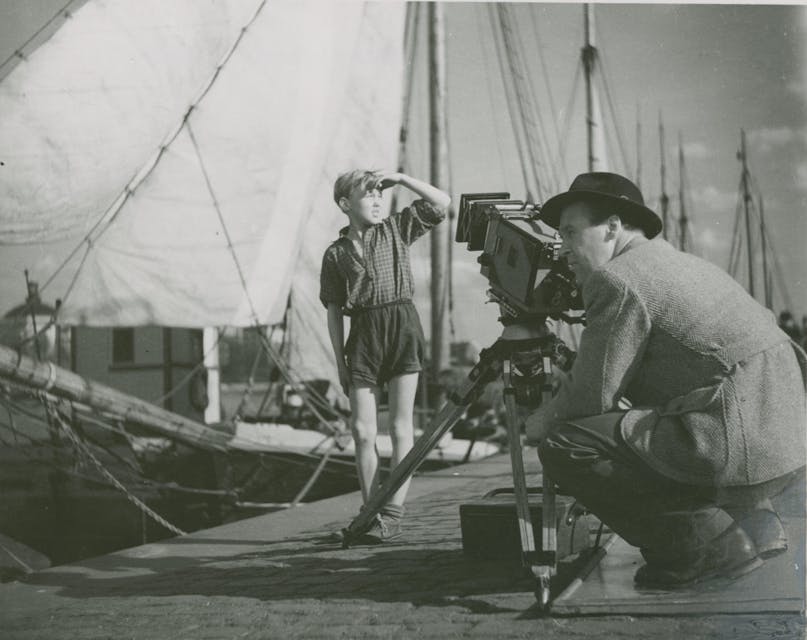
384,342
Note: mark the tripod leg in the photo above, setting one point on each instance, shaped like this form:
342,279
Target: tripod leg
541,564
549,539
447,417
517,464
549,527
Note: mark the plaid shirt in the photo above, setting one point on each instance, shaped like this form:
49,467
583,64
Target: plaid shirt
384,274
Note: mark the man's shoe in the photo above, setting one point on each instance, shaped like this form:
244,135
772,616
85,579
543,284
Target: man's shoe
765,529
383,529
730,555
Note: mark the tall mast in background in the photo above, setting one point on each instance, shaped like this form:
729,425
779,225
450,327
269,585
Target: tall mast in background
665,200
439,235
594,129
683,221
746,193
767,287
638,147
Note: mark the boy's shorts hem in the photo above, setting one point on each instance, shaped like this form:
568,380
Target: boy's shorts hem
384,343
357,378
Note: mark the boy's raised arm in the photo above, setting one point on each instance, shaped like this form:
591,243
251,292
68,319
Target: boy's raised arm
428,192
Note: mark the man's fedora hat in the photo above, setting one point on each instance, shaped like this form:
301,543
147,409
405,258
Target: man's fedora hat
606,188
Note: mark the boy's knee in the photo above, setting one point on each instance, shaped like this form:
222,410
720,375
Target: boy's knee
363,432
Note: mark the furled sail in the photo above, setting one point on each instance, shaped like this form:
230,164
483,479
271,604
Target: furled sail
190,148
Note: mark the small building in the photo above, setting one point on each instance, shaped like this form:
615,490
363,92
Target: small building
161,365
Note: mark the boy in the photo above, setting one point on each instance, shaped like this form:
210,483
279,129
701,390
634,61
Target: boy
366,275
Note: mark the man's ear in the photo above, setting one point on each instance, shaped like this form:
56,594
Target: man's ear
614,225
344,205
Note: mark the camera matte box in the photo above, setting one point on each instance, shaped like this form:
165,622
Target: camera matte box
490,526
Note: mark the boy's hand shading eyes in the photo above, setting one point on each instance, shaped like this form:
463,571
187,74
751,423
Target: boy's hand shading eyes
387,179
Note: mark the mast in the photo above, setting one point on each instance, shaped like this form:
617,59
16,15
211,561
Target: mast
665,200
766,282
638,147
747,210
589,57
439,162
682,219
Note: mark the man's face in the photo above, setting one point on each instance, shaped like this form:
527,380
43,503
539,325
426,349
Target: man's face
364,206
586,246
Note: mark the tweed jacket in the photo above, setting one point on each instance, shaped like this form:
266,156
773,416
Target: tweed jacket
717,390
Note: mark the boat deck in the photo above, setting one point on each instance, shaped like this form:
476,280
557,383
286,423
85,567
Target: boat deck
275,576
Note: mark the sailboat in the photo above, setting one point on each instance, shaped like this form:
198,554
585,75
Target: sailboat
176,206
178,159
752,245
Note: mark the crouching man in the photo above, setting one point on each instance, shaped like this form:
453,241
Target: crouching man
716,424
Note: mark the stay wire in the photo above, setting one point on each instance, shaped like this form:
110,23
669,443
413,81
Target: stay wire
488,75
605,82
526,109
567,116
547,82
515,122
552,178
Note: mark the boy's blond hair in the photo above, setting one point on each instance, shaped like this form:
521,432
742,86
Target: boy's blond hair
349,180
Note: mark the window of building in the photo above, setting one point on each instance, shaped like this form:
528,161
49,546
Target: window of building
122,346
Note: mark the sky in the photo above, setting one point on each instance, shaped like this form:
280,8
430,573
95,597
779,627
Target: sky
707,71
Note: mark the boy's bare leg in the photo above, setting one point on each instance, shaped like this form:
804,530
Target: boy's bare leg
402,391
364,426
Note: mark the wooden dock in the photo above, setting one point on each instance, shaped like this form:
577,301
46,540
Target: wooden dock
275,576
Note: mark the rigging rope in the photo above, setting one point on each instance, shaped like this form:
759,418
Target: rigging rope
567,117
515,122
605,83
486,58
53,414
551,179
548,85
141,481
526,112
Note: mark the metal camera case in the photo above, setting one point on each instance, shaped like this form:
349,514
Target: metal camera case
520,256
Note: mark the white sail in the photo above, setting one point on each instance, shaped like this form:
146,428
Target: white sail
197,143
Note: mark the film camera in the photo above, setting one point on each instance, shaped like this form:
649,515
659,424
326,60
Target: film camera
528,279
520,258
